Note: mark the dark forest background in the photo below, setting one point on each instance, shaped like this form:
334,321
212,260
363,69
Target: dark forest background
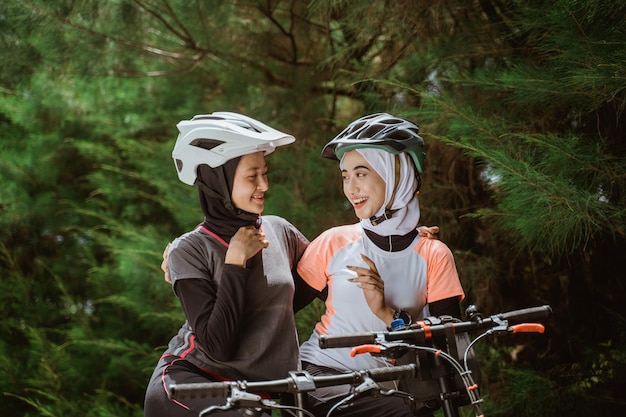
521,104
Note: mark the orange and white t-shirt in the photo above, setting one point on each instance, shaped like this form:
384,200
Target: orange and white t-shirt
422,273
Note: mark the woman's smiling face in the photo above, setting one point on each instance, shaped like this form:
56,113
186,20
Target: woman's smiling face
362,185
250,183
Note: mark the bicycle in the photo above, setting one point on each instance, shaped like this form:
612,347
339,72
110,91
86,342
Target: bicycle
444,377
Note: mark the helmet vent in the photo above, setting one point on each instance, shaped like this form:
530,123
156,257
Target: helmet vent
371,131
206,143
241,123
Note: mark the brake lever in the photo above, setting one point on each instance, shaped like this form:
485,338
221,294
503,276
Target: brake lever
528,328
241,400
215,409
397,393
369,384
388,350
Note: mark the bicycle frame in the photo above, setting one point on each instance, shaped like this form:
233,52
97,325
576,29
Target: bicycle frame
418,337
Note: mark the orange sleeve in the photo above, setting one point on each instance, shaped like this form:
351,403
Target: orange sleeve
443,278
316,258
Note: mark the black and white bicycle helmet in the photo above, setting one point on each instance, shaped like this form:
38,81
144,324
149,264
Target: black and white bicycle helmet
382,131
215,138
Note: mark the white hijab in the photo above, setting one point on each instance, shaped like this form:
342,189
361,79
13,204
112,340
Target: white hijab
407,216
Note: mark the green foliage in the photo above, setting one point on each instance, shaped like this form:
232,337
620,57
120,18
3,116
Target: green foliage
542,132
562,183
509,386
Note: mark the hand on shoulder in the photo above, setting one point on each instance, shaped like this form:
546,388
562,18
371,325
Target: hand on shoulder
429,232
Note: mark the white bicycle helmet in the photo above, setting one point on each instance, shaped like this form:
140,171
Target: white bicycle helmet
382,131
215,138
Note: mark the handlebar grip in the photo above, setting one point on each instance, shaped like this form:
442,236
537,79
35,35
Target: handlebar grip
394,372
527,314
199,390
350,340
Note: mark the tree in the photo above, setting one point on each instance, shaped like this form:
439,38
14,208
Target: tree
540,111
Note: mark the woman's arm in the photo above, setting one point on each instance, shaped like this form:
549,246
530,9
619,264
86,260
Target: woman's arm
305,294
446,307
213,313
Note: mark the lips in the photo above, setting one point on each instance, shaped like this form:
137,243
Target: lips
358,202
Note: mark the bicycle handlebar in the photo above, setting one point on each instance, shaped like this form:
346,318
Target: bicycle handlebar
295,383
540,313
533,314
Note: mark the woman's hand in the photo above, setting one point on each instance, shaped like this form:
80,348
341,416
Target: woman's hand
166,271
429,232
246,243
373,288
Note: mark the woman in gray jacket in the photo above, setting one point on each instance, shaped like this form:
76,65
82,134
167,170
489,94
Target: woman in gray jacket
233,273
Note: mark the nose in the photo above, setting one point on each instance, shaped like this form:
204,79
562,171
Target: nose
262,183
349,187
